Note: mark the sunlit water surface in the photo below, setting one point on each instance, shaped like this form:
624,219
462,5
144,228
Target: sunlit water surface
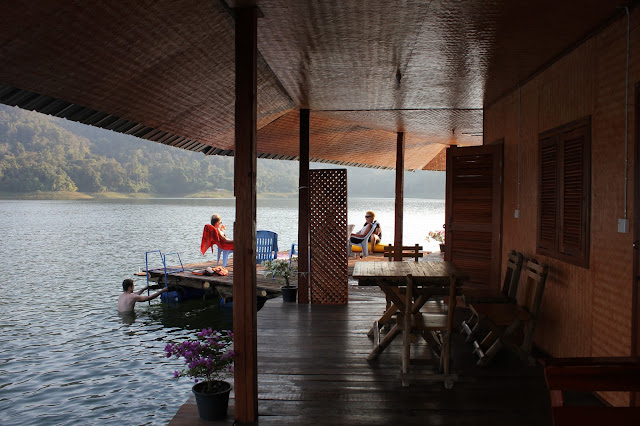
66,355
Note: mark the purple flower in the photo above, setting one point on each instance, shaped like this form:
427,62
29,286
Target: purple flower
206,356
176,374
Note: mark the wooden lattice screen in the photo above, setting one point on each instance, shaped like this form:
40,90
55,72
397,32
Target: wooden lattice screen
328,223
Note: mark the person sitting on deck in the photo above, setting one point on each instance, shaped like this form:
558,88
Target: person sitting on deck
127,300
370,217
214,235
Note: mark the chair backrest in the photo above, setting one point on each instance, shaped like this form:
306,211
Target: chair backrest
266,246
512,276
536,276
400,252
374,225
293,252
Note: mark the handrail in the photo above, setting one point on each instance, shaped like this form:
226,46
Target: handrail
146,266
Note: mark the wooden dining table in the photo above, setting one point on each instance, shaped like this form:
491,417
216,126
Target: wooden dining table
432,276
429,279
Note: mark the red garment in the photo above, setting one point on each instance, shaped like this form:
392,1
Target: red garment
210,237
221,270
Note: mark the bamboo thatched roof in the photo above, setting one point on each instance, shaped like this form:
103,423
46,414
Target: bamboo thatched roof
164,69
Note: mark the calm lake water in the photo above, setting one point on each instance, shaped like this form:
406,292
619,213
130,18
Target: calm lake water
66,355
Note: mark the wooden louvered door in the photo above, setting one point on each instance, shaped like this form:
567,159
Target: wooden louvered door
473,212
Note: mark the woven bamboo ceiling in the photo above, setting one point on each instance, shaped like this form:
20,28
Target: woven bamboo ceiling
164,69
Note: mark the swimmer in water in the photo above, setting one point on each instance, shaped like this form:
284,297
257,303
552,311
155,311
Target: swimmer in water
127,300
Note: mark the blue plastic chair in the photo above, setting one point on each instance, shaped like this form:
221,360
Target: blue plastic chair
225,256
293,252
266,246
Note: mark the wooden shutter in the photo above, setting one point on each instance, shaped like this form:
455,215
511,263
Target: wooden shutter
564,188
547,217
575,195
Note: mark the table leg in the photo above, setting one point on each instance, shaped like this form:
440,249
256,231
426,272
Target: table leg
406,332
446,344
383,319
393,297
388,338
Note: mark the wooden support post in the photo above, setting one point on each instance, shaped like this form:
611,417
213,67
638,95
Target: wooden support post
304,258
397,240
244,229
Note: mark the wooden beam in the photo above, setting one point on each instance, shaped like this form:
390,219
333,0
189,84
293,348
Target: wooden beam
397,239
244,229
304,258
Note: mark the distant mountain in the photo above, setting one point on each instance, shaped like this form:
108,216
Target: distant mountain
43,153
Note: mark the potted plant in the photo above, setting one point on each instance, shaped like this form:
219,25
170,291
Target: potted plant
283,269
437,236
208,356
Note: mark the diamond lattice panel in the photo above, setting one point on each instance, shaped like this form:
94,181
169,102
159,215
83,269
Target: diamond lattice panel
328,205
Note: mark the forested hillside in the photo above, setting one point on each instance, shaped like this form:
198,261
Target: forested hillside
43,153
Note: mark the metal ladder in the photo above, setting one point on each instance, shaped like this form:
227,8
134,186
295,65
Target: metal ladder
163,259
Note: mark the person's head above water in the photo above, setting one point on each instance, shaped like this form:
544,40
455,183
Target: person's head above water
127,284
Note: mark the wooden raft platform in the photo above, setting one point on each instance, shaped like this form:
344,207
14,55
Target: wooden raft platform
222,284
312,370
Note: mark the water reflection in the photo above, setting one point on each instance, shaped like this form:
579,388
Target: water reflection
193,315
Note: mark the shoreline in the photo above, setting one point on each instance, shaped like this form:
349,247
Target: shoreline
65,195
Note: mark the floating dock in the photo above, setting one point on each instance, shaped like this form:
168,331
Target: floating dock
190,280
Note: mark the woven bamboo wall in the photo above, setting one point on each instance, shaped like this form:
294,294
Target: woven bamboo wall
585,312
328,205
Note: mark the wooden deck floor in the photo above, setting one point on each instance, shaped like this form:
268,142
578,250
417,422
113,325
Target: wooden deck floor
312,370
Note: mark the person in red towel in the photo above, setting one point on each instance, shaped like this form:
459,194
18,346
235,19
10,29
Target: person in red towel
214,235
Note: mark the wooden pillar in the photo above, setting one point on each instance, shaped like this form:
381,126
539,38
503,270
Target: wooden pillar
304,255
244,229
397,239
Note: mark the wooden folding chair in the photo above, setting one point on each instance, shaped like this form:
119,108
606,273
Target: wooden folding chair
504,319
434,324
507,294
398,253
394,253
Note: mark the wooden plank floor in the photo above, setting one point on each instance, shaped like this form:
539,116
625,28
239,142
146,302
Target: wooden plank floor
312,370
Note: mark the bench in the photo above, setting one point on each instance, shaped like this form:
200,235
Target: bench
400,252
590,375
